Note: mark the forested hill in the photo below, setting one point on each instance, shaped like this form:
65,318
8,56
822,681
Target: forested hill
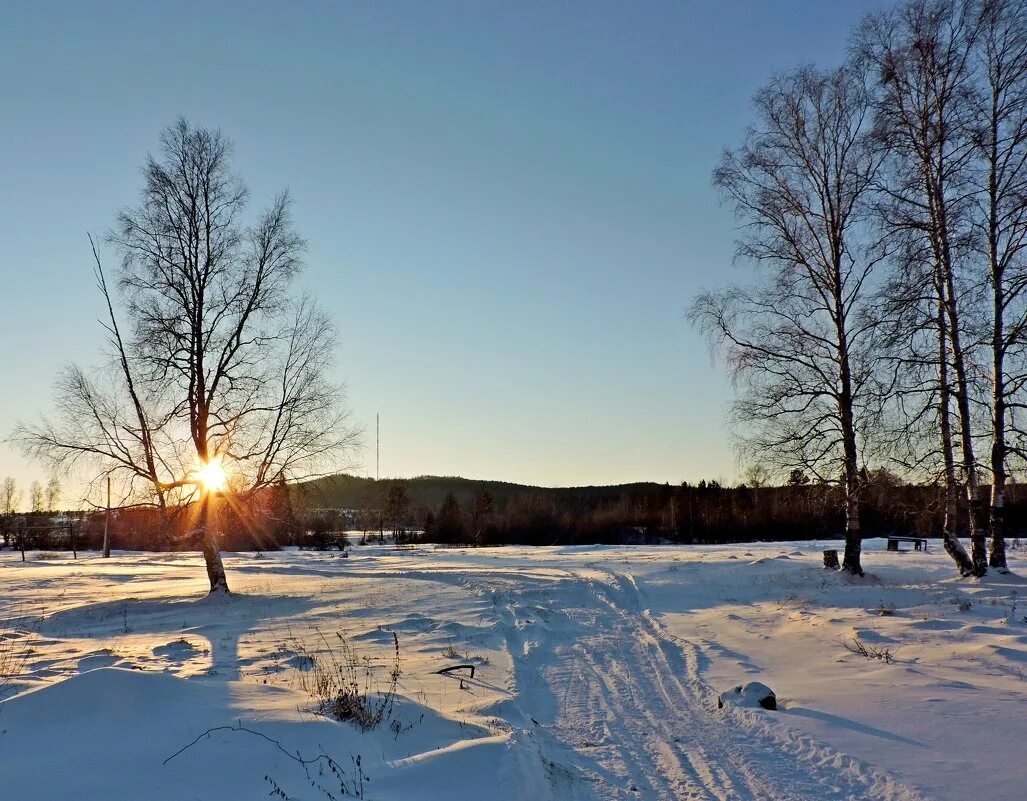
345,491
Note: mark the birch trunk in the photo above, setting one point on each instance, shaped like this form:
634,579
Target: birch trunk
953,547
851,561
210,545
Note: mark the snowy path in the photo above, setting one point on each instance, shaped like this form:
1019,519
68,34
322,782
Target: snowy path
625,713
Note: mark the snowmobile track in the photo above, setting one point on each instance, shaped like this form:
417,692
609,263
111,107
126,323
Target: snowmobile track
620,705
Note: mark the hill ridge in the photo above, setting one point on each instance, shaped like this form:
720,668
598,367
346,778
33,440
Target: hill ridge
347,491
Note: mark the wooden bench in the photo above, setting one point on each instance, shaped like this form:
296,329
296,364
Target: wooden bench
919,543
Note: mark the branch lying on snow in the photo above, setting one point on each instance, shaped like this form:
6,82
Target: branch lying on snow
322,759
239,727
451,668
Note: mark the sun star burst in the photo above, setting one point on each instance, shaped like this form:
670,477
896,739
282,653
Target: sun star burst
211,475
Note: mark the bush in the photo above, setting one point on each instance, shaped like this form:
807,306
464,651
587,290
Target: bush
345,685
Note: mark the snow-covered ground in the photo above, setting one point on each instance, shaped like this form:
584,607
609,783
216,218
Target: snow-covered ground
597,675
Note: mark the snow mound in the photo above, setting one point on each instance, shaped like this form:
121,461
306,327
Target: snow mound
132,732
752,695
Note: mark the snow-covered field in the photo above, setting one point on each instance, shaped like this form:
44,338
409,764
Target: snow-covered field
597,674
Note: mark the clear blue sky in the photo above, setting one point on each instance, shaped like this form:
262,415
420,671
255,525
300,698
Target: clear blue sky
508,205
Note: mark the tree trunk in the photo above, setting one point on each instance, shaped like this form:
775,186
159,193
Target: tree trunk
853,534
996,521
978,538
953,546
851,562
211,547
107,523
947,288
997,556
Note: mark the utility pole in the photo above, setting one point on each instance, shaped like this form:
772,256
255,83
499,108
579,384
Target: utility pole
107,523
377,474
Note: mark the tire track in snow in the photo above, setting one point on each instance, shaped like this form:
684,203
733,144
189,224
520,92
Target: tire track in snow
761,760
617,709
604,721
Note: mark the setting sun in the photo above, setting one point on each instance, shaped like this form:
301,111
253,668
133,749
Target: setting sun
212,475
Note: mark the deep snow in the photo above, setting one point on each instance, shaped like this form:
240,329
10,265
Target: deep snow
597,675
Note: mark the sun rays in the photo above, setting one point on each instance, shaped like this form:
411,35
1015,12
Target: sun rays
211,476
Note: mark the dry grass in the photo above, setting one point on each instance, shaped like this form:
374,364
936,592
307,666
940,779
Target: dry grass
869,651
15,648
349,686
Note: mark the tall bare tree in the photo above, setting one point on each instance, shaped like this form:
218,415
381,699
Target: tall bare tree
53,494
10,500
922,53
36,496
797,341
222,370
10,497
1002,233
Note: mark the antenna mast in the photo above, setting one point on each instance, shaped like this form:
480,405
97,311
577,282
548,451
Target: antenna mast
377,445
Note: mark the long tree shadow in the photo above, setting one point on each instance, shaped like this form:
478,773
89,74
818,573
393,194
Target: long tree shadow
221,620
852,725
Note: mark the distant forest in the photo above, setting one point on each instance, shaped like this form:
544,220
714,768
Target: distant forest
460,511
464,511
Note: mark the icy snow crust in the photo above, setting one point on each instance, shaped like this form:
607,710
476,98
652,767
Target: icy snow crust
597,671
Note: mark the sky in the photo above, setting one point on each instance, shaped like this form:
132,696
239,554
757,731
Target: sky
508,206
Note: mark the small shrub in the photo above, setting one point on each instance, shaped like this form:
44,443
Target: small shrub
15,648
347,686
868,651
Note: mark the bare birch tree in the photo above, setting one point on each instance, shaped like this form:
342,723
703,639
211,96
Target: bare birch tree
221,367
796,341
53,494
1002,234
10,500
10,496
922,53
36,496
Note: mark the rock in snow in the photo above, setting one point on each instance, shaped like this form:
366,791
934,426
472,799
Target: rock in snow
752,694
